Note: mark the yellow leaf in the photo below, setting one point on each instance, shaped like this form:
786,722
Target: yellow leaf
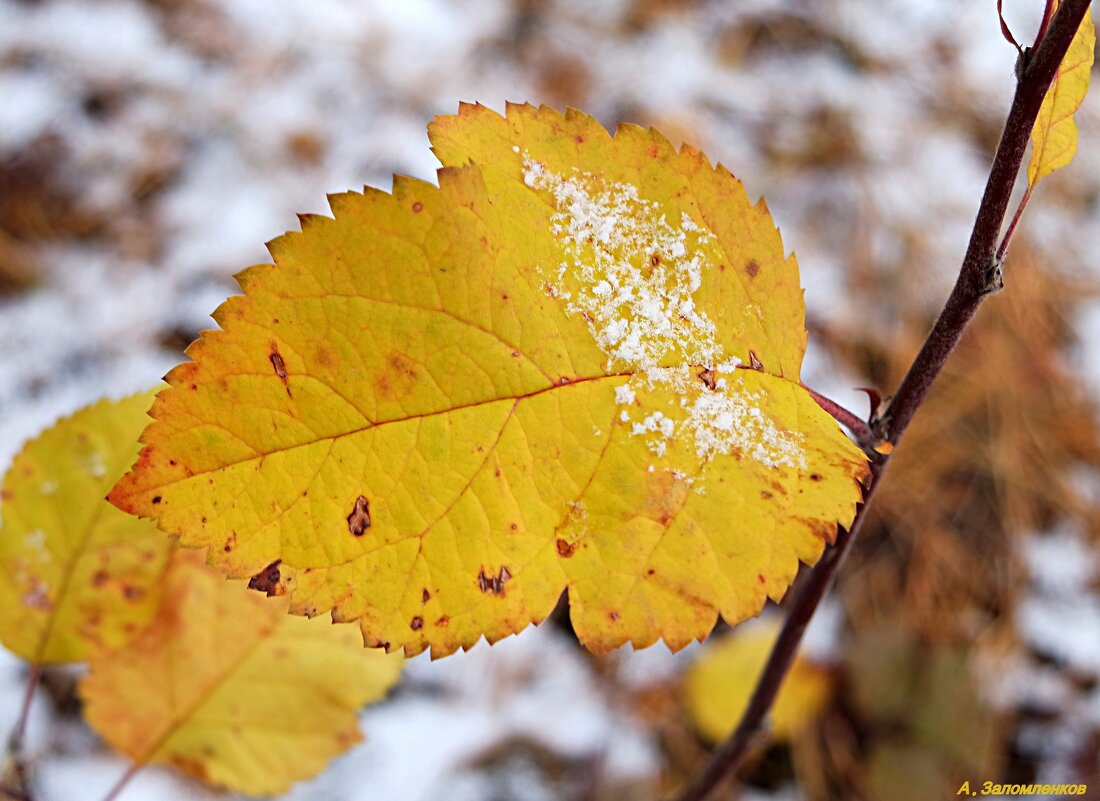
719,684
571,366
1054,137
227,687
78,573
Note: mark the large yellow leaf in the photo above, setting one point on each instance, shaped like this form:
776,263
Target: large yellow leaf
450,404
227,687
76,572
719,684
1054,137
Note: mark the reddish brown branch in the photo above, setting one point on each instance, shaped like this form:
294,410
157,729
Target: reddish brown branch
859,427
979,276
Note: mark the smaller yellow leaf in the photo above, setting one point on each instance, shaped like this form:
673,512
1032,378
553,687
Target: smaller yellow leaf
1054,137
78,573
227,687
718,686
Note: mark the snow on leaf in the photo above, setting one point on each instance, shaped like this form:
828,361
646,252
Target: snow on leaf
1054,137
720,682
573,365
77,573
227,687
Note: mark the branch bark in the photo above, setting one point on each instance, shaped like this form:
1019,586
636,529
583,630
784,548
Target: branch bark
979,276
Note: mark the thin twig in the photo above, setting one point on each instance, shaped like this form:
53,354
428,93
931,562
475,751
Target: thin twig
16,768
20,731
859,427
979,277
1006,240
120,785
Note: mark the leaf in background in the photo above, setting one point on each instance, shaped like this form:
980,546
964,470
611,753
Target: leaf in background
227,687
718,685
77,573
573,365
1054,138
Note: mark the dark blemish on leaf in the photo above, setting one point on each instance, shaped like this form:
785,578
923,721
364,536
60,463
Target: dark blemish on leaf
494,584
230,543
650,572
815,476
504,296
278,363
514,526
515,354
752,268
280,367
425,596
267,580
566,549
761,579
417,207
99,578
156,499
722,267
708,377
614,616
417,623
578,138
754,362
172,462
443,621
563,381
131,593
496,472
194,387
767,496
654,259
359,519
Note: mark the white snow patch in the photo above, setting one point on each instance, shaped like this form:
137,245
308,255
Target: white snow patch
637,276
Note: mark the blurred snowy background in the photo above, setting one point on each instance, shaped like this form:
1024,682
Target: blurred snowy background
148,149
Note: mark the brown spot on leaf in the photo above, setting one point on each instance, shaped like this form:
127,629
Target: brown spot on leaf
417,207
751,268
278,363
761,579
417,623
494,584
566,549
815,476
425,596
359,519
654,259
132,593
767,496
755,362
613,616
156,499
709,378
443,621
99,578
267,580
